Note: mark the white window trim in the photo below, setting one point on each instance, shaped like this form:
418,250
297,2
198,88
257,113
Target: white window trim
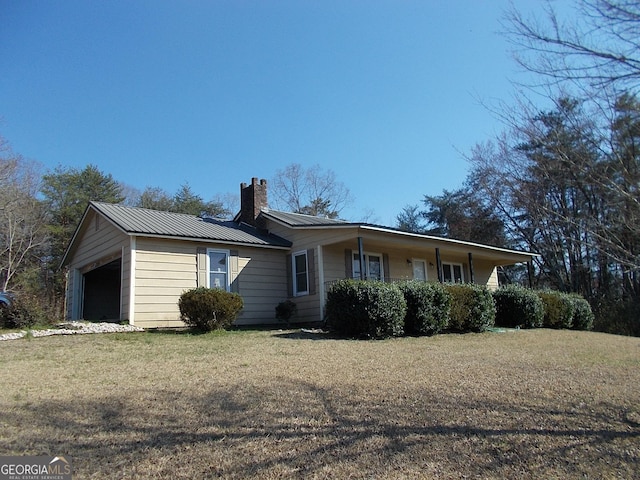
294,273
451,264
227,253
366,262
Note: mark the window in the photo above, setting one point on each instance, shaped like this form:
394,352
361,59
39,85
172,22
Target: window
218,268
373,269
453,272
300,273
419,269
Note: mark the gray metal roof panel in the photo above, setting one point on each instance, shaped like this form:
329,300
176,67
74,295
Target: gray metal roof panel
301,220
142,221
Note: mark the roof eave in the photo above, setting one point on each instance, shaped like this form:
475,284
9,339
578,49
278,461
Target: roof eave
452,241
209,240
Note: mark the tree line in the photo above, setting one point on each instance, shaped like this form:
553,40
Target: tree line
562,181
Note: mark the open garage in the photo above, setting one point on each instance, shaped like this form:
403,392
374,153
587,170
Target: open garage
102,292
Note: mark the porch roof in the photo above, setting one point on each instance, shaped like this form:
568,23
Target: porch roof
382,235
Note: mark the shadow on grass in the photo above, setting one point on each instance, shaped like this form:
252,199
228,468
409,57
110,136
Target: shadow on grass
295,428
310,334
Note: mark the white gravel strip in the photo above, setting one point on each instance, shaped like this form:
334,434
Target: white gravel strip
75,328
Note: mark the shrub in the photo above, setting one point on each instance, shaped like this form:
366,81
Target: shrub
427,307
472,308
285,310
517,306
18,315
582,314
27,310
558,309
367,309
208,309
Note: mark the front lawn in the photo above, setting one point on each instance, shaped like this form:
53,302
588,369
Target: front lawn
521,404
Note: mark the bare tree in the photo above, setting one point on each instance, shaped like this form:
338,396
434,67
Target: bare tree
598,47
311,191
23,233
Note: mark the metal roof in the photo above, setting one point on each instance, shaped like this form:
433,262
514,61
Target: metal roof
142,221
297,220
301,220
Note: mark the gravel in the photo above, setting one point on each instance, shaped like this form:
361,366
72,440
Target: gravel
74,328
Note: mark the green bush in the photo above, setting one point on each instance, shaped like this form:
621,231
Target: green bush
472,308
366,309
558,309
208,309
517,306
427,307
582,314
285,310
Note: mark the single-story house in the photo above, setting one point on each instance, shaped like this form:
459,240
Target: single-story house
132,264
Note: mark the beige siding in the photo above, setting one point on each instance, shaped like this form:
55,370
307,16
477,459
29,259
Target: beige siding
97,243
492,282
309,306
166,268
262,283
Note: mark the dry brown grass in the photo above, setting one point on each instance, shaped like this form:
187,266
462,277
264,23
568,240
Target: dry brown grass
527,404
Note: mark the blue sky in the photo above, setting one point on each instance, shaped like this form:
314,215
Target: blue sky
387,94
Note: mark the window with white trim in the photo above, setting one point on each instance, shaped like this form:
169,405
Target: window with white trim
373,267
218,268
453,272
300,269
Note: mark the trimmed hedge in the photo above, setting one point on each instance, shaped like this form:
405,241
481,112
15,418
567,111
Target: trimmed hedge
472,308
558,309
517,306
582,314
366,309
209,309
428,307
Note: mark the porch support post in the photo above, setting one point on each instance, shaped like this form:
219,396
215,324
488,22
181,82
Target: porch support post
439,266
530,273
472,277
361,257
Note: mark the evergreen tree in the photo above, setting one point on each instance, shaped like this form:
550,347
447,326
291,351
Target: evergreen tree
67,193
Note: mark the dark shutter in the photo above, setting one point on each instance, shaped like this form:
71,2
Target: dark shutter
385,266
289,276
311,270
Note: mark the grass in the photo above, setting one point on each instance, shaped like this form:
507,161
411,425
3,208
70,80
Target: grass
527,404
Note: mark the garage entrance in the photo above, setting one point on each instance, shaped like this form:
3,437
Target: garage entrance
102,292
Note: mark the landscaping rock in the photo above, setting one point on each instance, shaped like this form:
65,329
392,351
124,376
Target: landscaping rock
75,328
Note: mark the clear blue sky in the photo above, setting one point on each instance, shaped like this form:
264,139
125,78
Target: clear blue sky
212,93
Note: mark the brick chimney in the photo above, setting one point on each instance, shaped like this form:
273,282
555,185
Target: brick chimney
253,198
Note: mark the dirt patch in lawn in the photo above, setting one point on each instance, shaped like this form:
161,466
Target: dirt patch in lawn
527,404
